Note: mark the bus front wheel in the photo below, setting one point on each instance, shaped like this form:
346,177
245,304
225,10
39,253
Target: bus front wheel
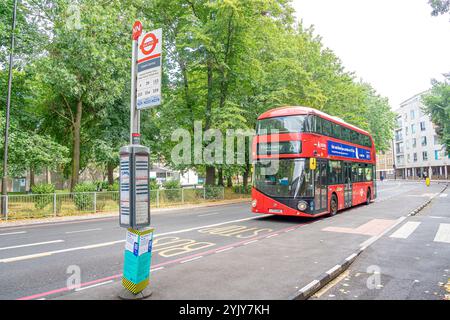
333,205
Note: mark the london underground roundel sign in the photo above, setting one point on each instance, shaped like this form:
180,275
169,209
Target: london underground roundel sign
148,44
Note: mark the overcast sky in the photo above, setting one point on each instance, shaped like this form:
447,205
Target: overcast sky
396,45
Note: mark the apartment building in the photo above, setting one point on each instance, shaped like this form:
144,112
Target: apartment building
418,151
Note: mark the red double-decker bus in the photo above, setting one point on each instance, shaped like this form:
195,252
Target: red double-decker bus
315,164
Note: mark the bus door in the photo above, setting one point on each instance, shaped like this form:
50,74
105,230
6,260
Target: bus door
320,187
348,186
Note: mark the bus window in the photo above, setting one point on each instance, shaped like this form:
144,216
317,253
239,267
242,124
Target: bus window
327,128
335,172
369,173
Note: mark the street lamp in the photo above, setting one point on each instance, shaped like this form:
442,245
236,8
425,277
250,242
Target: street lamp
8,106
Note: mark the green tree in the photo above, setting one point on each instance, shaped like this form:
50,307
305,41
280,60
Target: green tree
437,105
439,7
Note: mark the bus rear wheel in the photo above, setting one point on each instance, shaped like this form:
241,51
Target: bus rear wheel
333,205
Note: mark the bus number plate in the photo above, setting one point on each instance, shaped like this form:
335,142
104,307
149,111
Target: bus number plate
275,211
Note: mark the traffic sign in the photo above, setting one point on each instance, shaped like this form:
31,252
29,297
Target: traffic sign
149,70
137,30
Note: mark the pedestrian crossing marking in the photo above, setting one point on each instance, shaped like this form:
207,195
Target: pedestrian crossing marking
406,230
444,195
443,234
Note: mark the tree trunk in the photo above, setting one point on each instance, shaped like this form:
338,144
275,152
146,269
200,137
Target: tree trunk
229,182
210,176
48,175
32,178
220,174
76,146
111,168
246,175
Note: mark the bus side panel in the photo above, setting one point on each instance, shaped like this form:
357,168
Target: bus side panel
339,190
360,192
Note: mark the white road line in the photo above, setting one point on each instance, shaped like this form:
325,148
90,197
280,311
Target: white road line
10,234
444,195
405,230
157,269
49,253
250,242
209,214
223,250
94,285
31,245
87,230
193,259
443,234
273,235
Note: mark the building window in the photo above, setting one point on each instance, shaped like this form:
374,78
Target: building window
406,131
415,157
414,142
413,129
424,141
425,156
409,158
405,116
412,114
422,126
436,155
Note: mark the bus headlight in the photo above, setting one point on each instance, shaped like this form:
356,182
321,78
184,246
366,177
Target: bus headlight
254,203
302,206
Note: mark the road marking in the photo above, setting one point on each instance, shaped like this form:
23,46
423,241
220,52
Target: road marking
273,235
49,253
208,226
10,234
157,269
373,239
80,231
406,230
209,214
443,234
443,195
193,259
250,242
170,262
226,249
104,244
94,285
31,245
372,228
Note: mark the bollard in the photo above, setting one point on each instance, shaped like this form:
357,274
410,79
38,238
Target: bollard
428,181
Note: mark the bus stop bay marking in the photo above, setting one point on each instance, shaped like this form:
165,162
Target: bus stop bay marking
240,232
173,246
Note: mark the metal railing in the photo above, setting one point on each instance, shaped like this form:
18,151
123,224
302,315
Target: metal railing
32,206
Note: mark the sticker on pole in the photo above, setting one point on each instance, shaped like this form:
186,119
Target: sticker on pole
149,70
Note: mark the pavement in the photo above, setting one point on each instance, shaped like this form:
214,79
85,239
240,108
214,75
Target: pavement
222,252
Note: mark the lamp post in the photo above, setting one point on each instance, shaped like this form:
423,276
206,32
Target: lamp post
8,106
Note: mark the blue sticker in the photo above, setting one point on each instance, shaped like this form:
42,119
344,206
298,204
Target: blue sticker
136,249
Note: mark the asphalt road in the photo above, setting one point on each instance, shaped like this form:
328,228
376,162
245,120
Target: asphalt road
34,260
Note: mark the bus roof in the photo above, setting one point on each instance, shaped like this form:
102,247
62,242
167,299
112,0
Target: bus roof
297,110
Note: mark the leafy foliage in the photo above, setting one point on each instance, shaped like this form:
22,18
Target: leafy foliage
42,198
84,197
437,104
